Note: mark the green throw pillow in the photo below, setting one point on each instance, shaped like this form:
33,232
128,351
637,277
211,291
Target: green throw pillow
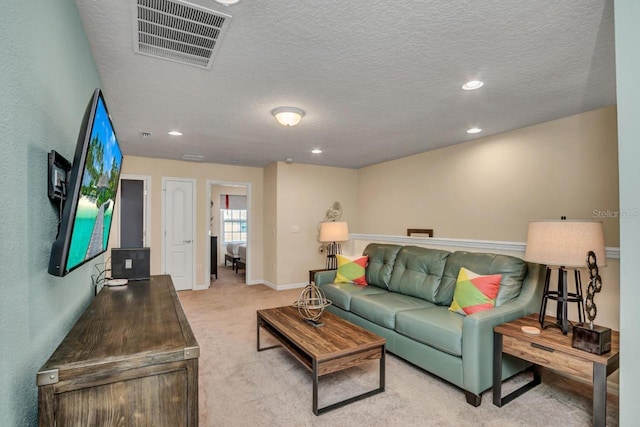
351,270
474,292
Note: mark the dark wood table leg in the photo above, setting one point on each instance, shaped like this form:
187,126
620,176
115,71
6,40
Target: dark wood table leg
498,400
382,368
497,369
315,387
380,389
599,395
259,325
257,332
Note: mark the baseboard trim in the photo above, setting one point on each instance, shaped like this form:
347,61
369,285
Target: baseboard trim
291,286
279,287
200,287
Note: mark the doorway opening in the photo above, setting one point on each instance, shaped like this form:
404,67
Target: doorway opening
229,227
133,201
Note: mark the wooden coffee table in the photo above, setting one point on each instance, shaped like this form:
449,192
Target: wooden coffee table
333,347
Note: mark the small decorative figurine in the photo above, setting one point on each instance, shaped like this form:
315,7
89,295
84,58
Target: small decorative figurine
311,304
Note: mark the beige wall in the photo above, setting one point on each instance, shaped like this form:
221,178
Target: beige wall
490,188
303,194
270,222
201,172
487,189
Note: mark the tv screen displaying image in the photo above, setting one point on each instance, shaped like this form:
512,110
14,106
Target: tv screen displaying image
97,192
88,209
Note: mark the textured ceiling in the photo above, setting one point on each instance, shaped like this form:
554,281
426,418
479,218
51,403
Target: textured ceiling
378,80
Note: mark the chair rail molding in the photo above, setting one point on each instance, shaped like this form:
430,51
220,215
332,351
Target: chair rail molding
494,245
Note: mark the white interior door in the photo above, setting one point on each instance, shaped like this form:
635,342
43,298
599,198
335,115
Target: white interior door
179,231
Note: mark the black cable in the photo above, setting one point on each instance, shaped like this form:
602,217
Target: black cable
101,277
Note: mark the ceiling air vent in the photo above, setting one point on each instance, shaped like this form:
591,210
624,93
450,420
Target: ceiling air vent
178,31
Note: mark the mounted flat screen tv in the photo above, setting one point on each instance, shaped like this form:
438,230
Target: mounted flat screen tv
90,192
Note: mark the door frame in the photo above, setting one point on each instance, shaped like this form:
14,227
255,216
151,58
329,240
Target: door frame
193,225
207,217
146,220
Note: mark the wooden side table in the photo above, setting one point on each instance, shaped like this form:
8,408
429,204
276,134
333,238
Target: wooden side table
312,273
551,349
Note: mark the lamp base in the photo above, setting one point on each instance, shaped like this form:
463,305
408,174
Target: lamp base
596,340
333,249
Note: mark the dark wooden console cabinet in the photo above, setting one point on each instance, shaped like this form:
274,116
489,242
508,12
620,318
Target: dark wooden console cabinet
214,256
131,359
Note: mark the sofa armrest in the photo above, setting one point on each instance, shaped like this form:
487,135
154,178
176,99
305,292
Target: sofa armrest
324,277
477,331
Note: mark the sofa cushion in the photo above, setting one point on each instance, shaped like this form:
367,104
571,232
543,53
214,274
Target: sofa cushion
474,292
340,294
418,271
435,326
381,259
382,308
511,268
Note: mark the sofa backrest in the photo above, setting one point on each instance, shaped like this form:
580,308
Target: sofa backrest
418,272
512,269
381,260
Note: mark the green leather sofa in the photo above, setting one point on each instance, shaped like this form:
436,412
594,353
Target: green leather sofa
407,298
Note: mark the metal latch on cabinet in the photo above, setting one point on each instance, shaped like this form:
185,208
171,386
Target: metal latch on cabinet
47,377
191,352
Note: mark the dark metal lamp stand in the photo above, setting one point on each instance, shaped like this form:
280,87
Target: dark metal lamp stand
562,298
333,249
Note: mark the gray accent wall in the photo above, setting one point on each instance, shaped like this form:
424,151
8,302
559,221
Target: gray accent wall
47,76
627,16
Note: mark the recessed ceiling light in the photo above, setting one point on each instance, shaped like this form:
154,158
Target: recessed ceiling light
472,85
227,2
474,130
316,151
175,133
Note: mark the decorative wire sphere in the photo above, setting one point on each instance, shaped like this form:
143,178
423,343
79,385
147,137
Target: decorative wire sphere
311,303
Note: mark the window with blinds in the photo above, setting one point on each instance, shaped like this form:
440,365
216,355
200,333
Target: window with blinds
234,225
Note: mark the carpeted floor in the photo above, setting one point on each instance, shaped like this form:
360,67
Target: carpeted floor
240,387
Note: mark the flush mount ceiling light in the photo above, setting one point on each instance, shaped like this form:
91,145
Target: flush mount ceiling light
288,116
316,151
175,133
474,130
472,85
227,2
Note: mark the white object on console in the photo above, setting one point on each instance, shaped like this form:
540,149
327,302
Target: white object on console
116,282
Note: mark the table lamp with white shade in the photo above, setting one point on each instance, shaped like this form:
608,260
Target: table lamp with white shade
564,245
332,233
